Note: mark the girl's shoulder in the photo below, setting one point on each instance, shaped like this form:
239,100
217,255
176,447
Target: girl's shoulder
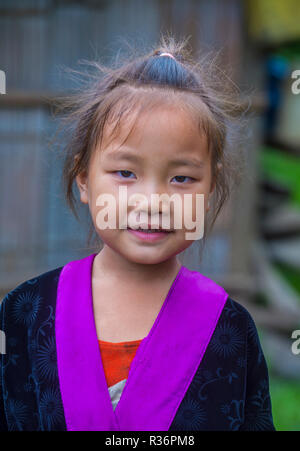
233,313
236,316
30,307
234,308
45,282
48,280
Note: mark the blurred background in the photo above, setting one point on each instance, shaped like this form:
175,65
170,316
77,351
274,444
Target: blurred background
254,250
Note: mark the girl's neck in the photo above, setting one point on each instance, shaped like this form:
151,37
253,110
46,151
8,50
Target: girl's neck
109,263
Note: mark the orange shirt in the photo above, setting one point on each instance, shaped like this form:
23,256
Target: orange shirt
116,359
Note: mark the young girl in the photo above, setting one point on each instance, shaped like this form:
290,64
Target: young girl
129,339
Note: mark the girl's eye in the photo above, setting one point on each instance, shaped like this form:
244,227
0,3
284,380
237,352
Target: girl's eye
124,174
180,178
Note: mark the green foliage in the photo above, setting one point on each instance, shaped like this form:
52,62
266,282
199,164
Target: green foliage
282,168
292,275
290,52
285,397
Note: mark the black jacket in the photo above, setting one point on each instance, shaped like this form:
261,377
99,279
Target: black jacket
230,390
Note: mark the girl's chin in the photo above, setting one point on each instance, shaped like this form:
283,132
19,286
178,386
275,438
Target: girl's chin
148,256
139,251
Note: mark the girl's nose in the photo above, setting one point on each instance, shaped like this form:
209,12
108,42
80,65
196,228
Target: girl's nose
153,206
154,195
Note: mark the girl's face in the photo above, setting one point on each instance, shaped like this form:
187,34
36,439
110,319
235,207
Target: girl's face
164,154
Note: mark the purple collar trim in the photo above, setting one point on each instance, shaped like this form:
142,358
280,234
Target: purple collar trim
163,367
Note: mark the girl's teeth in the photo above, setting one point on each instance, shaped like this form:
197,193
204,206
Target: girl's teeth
149,230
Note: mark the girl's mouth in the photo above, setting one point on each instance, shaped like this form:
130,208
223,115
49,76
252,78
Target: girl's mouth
150,235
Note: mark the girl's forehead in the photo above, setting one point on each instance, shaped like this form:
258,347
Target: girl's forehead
160,127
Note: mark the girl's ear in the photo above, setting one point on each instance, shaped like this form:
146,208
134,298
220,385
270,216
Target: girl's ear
81,180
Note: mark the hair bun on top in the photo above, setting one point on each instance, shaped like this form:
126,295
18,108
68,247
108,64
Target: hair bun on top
160,53
167,54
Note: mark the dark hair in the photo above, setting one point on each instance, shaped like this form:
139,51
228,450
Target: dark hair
141,82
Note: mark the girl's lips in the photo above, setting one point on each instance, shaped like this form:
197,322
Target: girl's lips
149,236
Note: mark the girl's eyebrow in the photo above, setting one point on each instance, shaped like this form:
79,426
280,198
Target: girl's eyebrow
187,162
125,155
